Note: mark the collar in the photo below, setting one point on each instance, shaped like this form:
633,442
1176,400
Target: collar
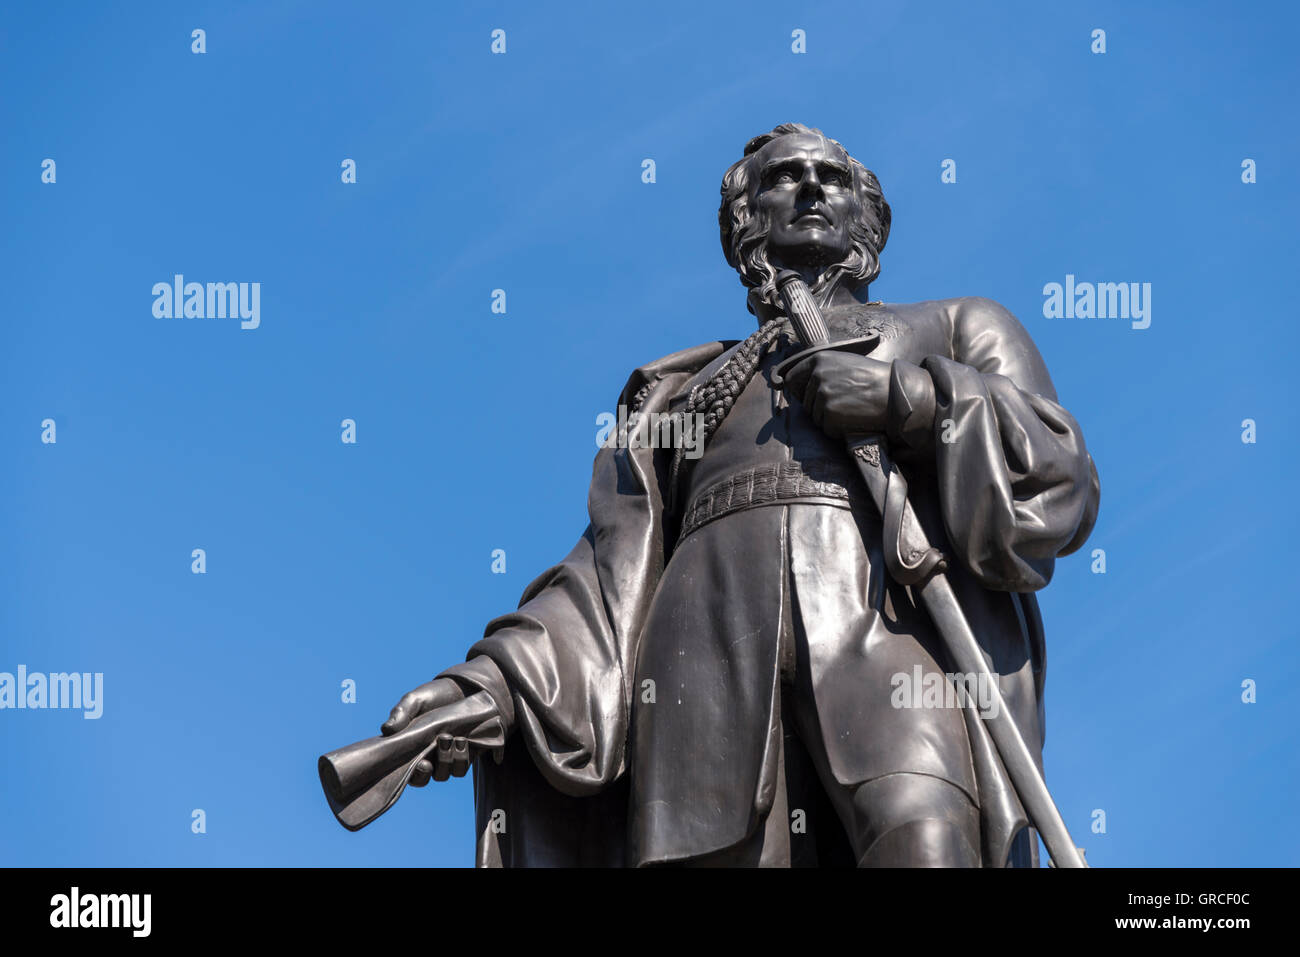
763,310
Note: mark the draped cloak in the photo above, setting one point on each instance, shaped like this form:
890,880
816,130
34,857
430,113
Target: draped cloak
640,673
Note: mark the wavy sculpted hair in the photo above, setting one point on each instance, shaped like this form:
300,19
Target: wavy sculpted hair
744,230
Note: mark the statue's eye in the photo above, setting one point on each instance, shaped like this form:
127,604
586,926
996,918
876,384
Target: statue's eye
784,177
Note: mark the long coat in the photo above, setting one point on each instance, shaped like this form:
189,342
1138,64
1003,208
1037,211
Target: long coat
641,672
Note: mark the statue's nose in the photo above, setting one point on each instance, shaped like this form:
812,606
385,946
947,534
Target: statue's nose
810,184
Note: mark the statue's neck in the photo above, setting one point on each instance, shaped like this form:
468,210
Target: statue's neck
837,297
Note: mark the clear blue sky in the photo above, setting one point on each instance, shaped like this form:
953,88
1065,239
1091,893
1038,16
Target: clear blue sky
476,431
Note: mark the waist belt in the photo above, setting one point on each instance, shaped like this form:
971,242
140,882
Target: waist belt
780,482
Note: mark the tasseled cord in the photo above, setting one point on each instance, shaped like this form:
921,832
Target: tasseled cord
715,397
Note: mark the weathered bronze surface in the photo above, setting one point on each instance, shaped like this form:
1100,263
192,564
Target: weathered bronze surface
742,662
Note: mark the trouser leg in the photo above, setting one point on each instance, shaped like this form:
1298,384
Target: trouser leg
897,820
914,820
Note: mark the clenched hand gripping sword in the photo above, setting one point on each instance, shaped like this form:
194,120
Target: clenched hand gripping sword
912,561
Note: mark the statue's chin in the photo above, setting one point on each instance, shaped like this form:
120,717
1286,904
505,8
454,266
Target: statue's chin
812,256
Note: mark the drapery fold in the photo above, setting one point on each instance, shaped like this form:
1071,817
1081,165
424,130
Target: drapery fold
1000,463
566,655
1016,484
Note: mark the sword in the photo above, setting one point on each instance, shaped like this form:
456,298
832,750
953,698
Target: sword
913,561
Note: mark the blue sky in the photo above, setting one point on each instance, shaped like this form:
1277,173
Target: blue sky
476,431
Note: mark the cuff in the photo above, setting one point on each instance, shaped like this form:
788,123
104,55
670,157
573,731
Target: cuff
911,407
482,674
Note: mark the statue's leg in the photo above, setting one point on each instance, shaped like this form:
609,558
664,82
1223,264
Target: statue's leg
914,820
908,797
896,820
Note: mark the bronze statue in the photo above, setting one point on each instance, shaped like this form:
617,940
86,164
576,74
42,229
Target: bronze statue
750,656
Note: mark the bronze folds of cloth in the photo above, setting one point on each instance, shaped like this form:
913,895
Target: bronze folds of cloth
912,561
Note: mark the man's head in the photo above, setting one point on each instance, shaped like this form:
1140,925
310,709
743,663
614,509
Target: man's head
797,200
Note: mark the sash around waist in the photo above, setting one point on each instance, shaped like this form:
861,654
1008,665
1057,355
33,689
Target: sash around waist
767,484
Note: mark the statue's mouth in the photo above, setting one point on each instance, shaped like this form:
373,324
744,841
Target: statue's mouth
816,215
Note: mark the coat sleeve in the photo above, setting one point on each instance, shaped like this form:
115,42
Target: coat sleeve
563,660
1017,486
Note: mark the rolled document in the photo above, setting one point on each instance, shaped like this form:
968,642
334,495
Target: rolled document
363,780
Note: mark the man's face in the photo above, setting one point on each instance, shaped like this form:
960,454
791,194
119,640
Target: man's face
804,189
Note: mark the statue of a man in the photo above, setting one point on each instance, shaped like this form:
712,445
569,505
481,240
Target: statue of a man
723,671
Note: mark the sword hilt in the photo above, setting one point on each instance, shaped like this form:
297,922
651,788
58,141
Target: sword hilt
909,556
802,309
